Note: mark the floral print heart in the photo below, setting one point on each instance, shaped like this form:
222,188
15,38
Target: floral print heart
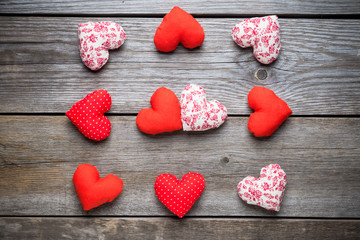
263,34
267,191
96,39
196,113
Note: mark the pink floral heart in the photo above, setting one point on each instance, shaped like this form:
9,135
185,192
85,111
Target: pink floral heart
96,39
266,192
263,34
196,113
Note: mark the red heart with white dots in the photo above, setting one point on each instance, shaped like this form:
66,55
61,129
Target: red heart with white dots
88,115
179,195
96,39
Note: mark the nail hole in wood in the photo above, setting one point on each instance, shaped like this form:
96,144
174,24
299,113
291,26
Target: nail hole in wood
261,74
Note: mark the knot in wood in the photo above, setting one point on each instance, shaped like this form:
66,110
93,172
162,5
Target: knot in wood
261,74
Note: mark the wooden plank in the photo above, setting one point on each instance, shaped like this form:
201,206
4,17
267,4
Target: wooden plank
41,71
39,155
136,7
171,228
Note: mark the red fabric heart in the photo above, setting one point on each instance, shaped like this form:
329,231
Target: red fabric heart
163,116
179,196
270,111
88,115
93,190
177,27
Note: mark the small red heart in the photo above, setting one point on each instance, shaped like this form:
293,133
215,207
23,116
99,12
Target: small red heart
179,195
177,27
163,116
93,190
88,115
270,111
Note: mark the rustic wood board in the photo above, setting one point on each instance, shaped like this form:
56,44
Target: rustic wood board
203,7
39,155
172,228
41,71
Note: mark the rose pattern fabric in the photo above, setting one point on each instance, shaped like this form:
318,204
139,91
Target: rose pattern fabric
96,39
267,191
196,113
263,34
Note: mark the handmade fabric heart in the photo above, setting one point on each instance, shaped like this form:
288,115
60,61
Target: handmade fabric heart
263,34
96,39
267,191
177,27
88,115
93,190
196,113
270,111
179,195
164,114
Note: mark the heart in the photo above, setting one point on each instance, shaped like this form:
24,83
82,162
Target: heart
177,27
266,192
96,39
270,111
88,115
93,190
164,114
263,34
179,195
196,113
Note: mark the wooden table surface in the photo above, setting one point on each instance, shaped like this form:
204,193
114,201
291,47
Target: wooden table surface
42,76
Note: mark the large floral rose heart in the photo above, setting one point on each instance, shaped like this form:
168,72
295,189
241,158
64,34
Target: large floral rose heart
96,39
263,34
196,113
93,190
179,195
177,27
267,191
270,111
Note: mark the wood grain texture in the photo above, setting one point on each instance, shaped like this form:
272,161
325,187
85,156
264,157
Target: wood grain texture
41,71
39,155
135,7
171,228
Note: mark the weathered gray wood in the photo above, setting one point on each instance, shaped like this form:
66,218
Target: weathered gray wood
134,7
170,228
41,71
320,156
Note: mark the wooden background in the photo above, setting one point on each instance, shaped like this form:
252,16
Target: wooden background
42,76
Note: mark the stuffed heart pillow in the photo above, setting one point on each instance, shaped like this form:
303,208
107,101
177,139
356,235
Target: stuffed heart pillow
88,115
270,111
179,195
267,191
177,27
96,39
93,190
164,114
196,113
263,34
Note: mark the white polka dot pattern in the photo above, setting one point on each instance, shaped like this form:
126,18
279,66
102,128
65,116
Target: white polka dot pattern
196,113
96,39
179,196
88,115
266,192
263,34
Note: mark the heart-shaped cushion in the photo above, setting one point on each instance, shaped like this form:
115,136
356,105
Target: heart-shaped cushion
263,34
267,191
93,190
177,27
196,113
164,114
179,195
88,115
270,111
95,41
